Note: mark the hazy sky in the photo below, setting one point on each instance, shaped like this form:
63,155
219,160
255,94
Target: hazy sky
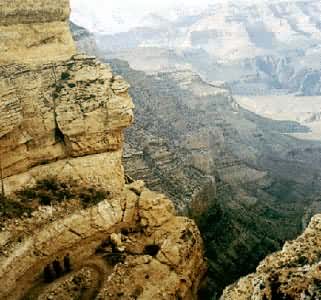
119,15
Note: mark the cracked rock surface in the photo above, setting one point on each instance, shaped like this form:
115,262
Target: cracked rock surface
62,114
63,119
293,273
161,258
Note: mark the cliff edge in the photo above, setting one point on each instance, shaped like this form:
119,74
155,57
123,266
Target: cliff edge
62,117
293,273
61,113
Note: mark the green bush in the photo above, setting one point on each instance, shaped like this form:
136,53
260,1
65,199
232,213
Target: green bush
65,76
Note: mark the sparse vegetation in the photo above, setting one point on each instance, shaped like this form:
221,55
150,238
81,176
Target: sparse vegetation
47,192
10,208
65,76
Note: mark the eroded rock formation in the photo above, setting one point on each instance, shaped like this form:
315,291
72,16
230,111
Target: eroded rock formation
35,31
60,113
196,145
62,116
143,219
293,273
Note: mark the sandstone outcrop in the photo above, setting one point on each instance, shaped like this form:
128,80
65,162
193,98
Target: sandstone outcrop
61,113
293,273
35,31
162,255
64,118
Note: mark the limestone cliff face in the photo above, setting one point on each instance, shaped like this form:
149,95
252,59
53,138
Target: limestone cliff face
35,31
62,116
293,273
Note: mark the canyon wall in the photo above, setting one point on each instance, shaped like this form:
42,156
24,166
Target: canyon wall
61,114
62,117
293,273
35,30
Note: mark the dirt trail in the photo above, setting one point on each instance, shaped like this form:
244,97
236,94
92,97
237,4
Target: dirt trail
101,271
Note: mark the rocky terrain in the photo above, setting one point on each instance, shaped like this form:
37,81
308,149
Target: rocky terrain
62,117
226,173
258,48
246,193
293,273
121,248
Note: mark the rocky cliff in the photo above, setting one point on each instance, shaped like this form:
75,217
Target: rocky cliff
242,189
35,30
157,256
61,113
293,273
62,117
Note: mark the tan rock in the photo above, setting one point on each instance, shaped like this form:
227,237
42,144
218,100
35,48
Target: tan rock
178,265
137,186
155,209
117,242
76,115
62,116
35,31
293,273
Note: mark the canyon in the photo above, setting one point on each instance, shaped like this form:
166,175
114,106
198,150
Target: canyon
257,47
86,178
216,161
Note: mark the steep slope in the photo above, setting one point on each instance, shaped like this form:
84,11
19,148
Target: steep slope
191,132
293,273
218,163
64,192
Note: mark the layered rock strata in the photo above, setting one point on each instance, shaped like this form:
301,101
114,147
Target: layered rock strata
62,116
142,219
35,30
